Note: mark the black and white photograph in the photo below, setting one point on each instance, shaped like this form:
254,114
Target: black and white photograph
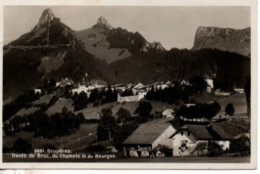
127,84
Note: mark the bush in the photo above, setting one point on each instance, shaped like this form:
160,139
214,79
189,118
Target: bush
22,146
241,146
214,149
166,150
122,115
230,110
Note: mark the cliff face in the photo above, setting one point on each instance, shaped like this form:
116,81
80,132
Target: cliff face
225,39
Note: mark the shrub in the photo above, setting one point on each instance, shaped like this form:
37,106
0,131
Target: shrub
214,149
241,145
230,110
166,150
22,146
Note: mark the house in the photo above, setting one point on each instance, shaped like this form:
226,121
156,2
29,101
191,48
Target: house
193,140
184,83
119,87
186,139
221,93
64,82
131,98
139,88
168,113
210,85
37,91
239,90
78,90
148,136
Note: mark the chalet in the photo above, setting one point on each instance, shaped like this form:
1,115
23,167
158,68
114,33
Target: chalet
186,139
119,87
210,85
147,137
184,83
222,93
139,88
239,90
168,113
131,98
39,91
64,82
78,90
193,140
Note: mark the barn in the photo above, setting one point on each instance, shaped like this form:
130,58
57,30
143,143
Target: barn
148,136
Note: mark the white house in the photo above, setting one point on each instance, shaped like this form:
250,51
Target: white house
81,88
168,113
37,91
131,98
239,90
148,136
193,140
210,85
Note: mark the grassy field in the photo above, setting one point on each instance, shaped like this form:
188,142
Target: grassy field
206,97
238,101
43,99
75,141
94,112
58,106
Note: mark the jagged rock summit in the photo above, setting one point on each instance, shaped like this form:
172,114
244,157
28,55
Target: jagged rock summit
46,17
103,24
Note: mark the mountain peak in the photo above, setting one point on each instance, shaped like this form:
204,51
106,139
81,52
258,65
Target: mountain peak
103,23
47,15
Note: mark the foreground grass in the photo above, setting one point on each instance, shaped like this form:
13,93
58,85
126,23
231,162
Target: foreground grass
76,141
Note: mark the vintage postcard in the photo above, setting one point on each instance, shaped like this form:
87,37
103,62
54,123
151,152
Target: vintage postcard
129,85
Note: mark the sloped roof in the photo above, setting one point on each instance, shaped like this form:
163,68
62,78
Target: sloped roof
148,132
216,131
199,131
227,130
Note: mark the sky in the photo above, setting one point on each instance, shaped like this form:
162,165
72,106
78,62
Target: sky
173,26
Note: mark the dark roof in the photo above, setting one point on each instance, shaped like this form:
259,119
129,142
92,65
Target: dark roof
227,130
199,131
148,132
216,131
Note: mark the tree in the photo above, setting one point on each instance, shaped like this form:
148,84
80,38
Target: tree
144,109
81,102
230,110
122,115
198,84
94,95
52,83
150,94
123,132
108,123
22,146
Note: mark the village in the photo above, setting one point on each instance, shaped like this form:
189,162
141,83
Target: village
135,120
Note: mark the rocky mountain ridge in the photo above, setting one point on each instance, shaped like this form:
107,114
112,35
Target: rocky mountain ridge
226,39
